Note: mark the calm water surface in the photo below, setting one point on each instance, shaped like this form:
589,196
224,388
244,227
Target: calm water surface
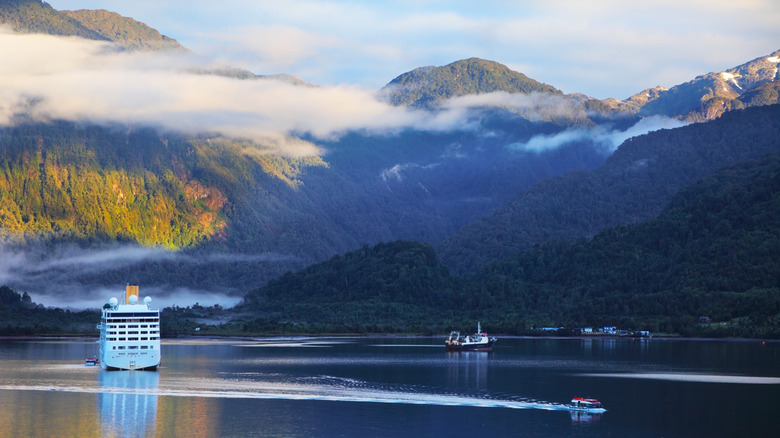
394,387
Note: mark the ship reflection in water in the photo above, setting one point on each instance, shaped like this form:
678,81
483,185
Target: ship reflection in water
468,370
581,417
128,402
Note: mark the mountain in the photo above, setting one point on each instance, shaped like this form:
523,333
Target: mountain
70,191
86,207
123,30
703,98
390,287
36,16
428,86
710,95
708,264
633,185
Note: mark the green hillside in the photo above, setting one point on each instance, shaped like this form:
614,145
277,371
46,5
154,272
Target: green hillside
708,265
20,316
712,256
633,185
36,16
123,30
64,181
426,86
392,287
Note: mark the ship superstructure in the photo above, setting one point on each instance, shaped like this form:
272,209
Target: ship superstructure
129,333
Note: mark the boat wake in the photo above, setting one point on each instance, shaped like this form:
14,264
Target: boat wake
693,377
312,394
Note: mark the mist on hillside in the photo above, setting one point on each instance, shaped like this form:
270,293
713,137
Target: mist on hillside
69,276
55,78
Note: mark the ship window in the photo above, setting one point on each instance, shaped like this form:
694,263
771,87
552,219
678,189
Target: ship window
132,339
121,347
144,333
132,347
144,339
113,348
144,347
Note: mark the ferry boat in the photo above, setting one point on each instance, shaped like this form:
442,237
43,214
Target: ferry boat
587,405
477,342
129,333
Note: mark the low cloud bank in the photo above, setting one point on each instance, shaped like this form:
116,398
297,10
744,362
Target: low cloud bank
55,277
47,78
607,138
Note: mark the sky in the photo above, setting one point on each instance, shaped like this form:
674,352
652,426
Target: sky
602,48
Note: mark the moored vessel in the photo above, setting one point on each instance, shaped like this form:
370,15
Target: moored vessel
129,333
478,341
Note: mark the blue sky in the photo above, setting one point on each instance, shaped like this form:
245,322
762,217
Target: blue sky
603,48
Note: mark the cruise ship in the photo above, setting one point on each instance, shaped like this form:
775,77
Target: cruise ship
129,333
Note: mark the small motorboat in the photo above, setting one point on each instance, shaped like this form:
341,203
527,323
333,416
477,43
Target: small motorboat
586,405
91,361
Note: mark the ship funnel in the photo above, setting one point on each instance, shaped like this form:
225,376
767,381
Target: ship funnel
130,290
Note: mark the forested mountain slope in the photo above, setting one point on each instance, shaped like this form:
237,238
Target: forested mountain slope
428,86
633,185
36,16
708,265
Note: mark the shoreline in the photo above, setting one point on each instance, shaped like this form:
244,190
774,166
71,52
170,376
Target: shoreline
206,337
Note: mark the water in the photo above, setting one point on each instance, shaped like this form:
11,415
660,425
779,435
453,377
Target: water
394,387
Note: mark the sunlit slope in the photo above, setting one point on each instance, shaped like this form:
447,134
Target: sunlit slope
427,86
35,16
63,181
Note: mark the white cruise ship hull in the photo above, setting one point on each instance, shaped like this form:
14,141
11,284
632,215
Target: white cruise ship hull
130,360
129,334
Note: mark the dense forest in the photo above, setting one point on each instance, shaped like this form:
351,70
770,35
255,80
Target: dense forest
66,181
634,184
708,265
19,316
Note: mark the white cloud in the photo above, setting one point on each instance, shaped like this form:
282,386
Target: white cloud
74,79
48,78
610,139
603,48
